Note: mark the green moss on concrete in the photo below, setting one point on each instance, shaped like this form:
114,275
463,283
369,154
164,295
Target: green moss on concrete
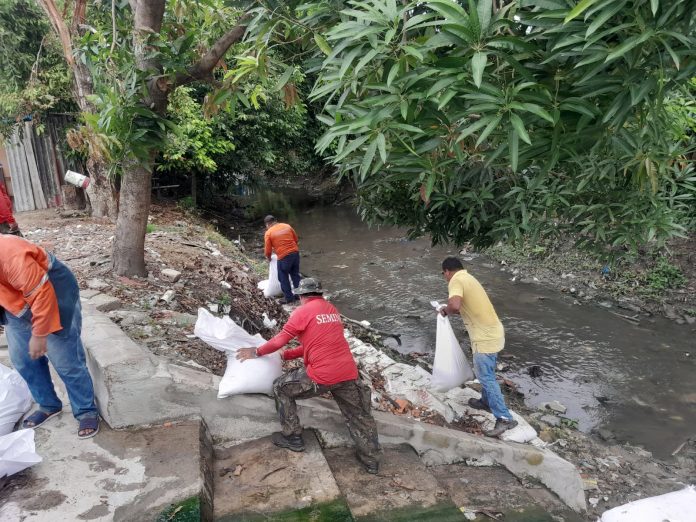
439,513
187,511
336,511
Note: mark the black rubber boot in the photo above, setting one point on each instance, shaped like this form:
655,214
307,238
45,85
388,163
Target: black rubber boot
478,404
293,442
501,426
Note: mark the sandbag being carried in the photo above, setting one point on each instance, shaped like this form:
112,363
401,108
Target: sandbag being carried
678,506
250,376
271,286
15,399
17,452
450,368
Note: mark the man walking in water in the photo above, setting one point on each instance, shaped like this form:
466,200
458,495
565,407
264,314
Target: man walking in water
328,367
467,297
281,238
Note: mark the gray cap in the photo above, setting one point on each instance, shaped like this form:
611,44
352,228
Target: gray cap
308,285
269,219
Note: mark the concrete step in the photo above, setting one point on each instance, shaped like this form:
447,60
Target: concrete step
491,490
258,481
404,489
115,476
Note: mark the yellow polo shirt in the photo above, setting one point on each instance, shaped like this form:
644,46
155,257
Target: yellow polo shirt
485,329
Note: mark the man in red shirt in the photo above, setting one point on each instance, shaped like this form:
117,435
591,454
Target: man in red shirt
8,225
281,238
329,367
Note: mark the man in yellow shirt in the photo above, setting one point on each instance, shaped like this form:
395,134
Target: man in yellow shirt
467,296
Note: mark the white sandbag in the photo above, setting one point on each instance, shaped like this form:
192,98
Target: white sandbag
250,376
678,506
521,433
15,399
450,368
271,286
17,452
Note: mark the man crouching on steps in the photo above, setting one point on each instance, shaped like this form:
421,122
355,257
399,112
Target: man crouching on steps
329,367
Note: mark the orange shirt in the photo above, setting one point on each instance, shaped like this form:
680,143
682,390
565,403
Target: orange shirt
24,284
281,238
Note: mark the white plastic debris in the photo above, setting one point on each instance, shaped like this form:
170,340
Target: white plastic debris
268,322
15,399
678,506
17,452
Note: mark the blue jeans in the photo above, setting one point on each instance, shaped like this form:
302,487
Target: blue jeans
289,268
484,366
65,351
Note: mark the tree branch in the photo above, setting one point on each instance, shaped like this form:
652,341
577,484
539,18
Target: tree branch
203,69
58,24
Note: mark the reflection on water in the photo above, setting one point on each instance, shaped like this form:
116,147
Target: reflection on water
630,379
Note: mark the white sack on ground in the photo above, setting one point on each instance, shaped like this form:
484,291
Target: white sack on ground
271,286
251,376
450,368
678,506
17,452
15,399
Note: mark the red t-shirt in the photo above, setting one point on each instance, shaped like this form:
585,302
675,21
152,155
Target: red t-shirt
327,357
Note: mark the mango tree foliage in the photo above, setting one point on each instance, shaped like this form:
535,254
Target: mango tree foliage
480,121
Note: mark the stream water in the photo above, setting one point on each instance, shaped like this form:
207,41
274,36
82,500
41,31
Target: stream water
637,381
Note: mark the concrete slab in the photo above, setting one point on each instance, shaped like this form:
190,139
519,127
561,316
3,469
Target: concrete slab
495,489
258,479
105,303
115,476
403,484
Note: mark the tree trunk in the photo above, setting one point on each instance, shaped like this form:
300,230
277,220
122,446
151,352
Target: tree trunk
101,192
131,226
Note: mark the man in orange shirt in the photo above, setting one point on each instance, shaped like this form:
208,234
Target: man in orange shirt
281,238
40,308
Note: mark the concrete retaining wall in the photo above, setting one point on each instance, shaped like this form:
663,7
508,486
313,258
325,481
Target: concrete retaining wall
135,388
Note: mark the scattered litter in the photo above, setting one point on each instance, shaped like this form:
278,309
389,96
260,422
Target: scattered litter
268,322
340,266
225,284
168,296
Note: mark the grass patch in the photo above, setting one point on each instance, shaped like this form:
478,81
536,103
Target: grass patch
187,511
336,511
151,227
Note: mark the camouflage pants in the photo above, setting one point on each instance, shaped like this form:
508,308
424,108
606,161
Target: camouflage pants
352,397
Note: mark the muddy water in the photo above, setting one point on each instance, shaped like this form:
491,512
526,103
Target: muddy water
639,382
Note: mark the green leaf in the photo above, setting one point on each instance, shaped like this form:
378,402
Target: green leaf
322,44
654,5
489,128
478,64
403,107
473,128
382,146
517,124
484,10
367,160
579,9
514,142
629,44
284,78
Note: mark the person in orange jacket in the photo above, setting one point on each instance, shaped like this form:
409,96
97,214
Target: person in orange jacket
40,309
8,225
281,238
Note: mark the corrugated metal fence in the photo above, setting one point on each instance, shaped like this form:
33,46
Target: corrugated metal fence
37,164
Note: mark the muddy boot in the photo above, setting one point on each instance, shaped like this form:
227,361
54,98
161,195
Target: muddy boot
371,466
293,442
478,404
501,426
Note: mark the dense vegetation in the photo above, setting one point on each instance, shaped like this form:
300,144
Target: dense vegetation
469,121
